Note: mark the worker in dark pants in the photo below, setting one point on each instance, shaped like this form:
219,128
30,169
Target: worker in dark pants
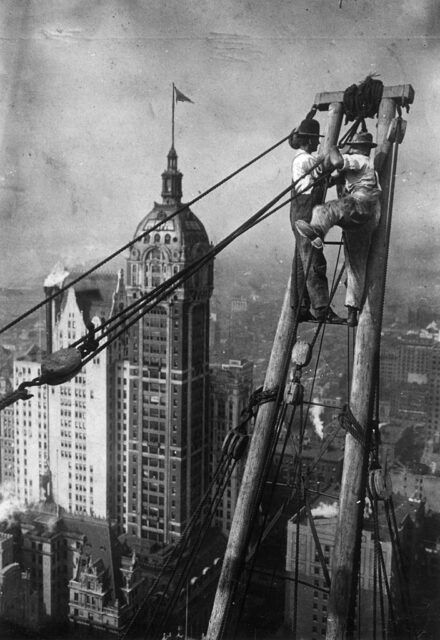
311,292
357,212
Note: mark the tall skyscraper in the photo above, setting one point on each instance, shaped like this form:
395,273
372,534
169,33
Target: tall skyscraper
159,376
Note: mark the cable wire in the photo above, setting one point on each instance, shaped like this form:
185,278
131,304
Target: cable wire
140,237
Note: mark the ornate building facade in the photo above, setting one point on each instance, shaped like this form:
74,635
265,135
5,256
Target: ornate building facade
159,375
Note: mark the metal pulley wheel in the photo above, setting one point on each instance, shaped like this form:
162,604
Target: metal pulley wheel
238,446
380,484
227,441
61,366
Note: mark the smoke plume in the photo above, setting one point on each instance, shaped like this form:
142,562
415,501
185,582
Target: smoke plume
324,510
315,414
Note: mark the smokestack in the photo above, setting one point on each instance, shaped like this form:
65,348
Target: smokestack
53,281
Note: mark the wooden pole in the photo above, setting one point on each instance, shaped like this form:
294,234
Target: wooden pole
254,470
346,556
335,114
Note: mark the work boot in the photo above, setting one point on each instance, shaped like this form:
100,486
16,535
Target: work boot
305,315
352,319
333,317
307,231
326,314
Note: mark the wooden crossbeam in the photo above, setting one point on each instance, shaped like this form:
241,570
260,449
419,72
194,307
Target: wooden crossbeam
403,94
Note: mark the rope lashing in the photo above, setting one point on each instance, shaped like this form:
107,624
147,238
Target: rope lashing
363,100
351,425
236,440
257,398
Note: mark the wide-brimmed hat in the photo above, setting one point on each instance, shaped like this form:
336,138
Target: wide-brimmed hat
363,139
309,128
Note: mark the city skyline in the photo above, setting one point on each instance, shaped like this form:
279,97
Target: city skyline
124,452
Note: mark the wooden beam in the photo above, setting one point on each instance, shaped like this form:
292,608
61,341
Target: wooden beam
247,503
346,556
402,94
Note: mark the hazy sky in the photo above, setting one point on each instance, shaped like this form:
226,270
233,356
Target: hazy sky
86,107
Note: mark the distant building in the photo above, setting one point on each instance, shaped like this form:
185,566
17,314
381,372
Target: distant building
18,603
62,432
31,470
72,568
417,486
107,586
160,375
313,592
231,388
7,431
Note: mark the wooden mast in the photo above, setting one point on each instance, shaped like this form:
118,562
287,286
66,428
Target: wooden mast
344,568
346,556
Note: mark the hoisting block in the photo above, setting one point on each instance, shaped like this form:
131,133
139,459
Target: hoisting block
396,131
301,354
61,366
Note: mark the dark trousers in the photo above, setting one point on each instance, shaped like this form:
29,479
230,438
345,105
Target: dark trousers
316,292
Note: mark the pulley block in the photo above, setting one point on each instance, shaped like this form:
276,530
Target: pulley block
235,443
301,353
396,130
238,446
61,366
380,484
294,393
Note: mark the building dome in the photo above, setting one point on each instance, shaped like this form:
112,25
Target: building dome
167,248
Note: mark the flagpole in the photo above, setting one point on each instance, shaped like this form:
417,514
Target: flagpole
172,119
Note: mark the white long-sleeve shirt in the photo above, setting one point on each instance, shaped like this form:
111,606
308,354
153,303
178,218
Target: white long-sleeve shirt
302,162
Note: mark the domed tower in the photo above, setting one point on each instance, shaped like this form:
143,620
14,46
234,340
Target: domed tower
164,377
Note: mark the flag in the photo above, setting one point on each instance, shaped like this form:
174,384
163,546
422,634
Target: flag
180,97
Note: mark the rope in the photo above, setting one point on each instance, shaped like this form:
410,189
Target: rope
202,531
379,552
178,549
140,308
316,539
363,100
141,236
350,424
172,283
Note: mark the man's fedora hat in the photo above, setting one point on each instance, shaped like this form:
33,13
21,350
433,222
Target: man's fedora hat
309,128
363,139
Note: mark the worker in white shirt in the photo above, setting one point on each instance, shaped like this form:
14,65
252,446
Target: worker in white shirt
314,293
357,212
